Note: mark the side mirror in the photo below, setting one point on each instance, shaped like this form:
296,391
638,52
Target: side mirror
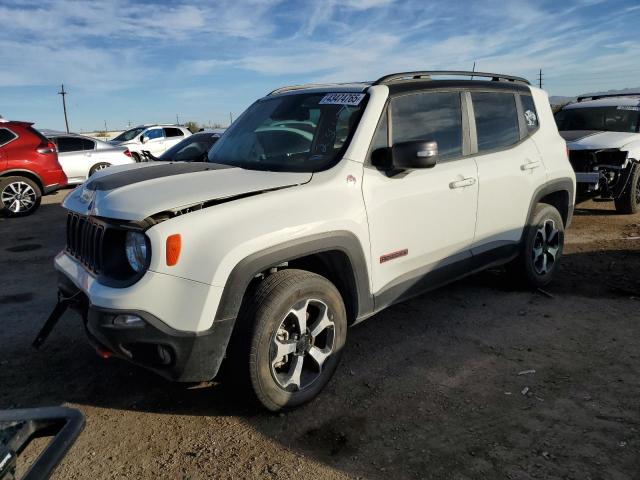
416,154
143,139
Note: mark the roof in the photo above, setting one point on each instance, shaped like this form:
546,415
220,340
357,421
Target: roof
613,101
415,80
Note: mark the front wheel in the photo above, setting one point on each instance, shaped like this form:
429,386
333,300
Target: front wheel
297,327
541,249
629,200
19,196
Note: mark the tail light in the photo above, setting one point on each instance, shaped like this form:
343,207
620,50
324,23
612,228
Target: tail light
127,153
46,148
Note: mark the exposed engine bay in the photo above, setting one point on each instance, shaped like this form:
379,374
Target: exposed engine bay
603,172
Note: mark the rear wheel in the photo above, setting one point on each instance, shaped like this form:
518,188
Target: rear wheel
541,250
629,201
19,196
98,166
295,327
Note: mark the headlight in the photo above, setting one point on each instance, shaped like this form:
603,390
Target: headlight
136,250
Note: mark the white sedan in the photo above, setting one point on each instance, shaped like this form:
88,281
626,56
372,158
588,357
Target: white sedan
80,156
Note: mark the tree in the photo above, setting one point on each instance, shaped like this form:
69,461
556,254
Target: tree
192,126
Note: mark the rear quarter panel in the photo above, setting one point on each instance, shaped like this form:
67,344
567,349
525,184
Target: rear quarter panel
551,145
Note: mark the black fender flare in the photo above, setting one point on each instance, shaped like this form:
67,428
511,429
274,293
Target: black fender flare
247,269
553,186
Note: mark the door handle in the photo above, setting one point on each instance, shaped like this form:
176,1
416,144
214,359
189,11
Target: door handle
465,182
530,165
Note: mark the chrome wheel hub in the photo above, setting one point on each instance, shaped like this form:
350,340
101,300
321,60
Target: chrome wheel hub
18,197
301,345
546,247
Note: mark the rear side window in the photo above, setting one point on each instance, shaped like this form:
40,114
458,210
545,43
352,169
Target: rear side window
496,120
88,144
6,136
530,113
70,144
432,117
173,132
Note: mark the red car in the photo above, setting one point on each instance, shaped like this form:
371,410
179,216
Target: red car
29,168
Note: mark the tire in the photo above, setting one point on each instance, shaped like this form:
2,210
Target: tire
271,356
136,157
541,250
19,196
629,200
98,166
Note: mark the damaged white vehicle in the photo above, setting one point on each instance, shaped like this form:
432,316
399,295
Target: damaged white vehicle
603,136
319,207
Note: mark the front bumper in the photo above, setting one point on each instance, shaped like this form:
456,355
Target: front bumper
176,355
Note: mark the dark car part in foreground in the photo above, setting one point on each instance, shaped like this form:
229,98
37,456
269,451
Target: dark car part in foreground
18,428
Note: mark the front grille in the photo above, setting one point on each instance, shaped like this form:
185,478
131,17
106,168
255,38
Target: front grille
85,240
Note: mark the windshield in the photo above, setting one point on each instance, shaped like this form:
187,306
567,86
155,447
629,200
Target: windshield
191,149
129,134
293,133
611,119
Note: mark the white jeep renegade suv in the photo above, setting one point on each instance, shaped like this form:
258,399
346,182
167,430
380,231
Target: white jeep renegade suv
319,207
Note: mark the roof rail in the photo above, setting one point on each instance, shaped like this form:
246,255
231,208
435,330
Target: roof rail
426,75
289,88
607,95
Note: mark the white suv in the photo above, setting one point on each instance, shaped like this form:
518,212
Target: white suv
603,135
155,139
319,207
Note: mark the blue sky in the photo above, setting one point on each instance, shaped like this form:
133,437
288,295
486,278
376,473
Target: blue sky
142,62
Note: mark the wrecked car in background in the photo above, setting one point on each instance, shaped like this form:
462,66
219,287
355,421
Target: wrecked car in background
603,138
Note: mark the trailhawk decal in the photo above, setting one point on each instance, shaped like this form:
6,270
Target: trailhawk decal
342,99
393,255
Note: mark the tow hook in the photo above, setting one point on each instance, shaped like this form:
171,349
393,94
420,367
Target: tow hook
61,306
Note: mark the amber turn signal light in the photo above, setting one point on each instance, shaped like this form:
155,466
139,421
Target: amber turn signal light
174,244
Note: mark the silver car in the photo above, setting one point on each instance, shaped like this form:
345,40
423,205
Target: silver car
80,156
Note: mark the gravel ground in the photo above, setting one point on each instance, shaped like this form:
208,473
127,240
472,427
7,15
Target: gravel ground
427,389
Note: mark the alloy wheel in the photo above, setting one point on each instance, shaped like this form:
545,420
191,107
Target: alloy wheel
546,247
18,197
302,344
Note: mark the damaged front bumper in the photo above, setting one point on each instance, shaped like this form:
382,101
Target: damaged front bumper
143,339
603,172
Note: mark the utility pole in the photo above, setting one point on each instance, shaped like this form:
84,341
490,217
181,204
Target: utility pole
230,118
177,120
540,79
64,106
105,127
473,70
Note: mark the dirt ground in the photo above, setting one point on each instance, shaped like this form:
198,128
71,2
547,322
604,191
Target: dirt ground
427,389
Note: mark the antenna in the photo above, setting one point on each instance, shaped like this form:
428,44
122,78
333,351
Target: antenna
540,79
64,106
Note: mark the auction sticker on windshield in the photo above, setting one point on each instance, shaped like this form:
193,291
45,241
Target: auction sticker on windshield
342,99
